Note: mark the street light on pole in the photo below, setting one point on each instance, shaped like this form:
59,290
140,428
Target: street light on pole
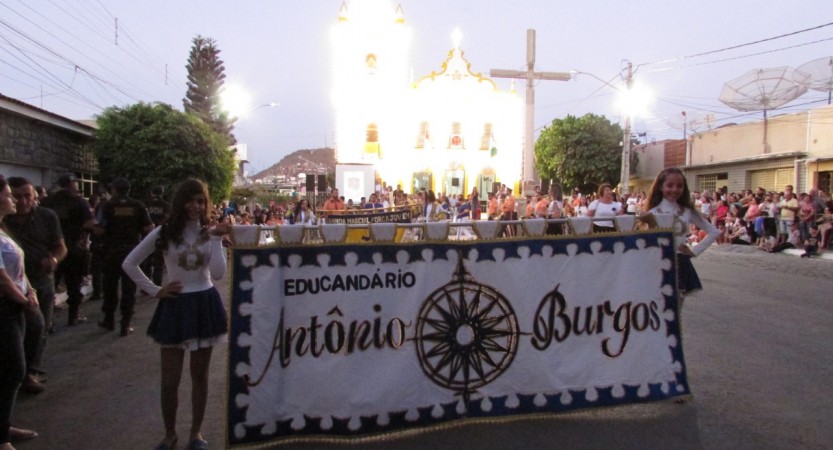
233,101
265,105
632,100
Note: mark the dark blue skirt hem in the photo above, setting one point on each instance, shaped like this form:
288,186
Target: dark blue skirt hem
188,317
687,280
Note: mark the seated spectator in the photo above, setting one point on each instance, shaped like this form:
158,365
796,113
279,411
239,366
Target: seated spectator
811,244
730,222
722,238
793,240
739,234
768,242
695,234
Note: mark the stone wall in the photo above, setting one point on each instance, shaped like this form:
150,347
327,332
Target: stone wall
33,144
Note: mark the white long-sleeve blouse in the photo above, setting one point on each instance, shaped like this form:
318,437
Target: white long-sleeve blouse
687,216
193,263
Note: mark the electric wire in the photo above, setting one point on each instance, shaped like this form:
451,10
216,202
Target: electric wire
738,57
55,53
159,65
733,47
135,88
102,34
91,25
44,72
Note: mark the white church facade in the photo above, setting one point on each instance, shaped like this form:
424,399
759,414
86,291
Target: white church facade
450,131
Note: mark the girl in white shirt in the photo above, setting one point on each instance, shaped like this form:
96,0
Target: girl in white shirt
190,315
670,195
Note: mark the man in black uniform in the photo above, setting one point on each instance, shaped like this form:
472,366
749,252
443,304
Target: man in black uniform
38,232
158,209
76,222
123,221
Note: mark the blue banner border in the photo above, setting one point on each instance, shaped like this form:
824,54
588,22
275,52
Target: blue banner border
397,422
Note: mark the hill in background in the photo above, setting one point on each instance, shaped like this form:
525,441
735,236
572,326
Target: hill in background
308,161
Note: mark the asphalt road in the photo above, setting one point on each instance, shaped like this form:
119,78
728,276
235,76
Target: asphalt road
757,344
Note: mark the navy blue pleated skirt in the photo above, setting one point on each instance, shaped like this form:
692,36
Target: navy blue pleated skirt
193,316
687,279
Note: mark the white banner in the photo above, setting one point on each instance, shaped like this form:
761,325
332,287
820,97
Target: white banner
345,340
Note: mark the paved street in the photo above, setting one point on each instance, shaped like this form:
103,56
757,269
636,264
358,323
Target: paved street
757,343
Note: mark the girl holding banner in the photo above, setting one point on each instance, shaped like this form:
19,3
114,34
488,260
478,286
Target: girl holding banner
670,195
190,315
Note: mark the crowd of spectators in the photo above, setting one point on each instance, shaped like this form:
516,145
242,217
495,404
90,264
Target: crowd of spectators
773,221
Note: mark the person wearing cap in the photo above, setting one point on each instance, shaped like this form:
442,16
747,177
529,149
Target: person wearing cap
76,223
123,221
159,210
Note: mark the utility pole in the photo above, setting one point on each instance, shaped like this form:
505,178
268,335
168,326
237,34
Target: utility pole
626,140
530,75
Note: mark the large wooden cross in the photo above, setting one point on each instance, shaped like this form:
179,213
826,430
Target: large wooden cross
530,75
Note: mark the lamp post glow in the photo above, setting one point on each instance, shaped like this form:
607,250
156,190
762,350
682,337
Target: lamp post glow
237,101
632,101
234,99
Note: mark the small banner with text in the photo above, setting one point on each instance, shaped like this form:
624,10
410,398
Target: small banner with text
347,341
401,215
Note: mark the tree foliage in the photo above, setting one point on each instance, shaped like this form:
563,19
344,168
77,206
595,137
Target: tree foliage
205,82
154,144
581,152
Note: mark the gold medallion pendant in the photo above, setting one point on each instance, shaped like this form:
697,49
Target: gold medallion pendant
192,258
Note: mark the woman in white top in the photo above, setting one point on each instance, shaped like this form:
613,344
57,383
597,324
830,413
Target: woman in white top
302,214
16,296
604,206
430,208
190,315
